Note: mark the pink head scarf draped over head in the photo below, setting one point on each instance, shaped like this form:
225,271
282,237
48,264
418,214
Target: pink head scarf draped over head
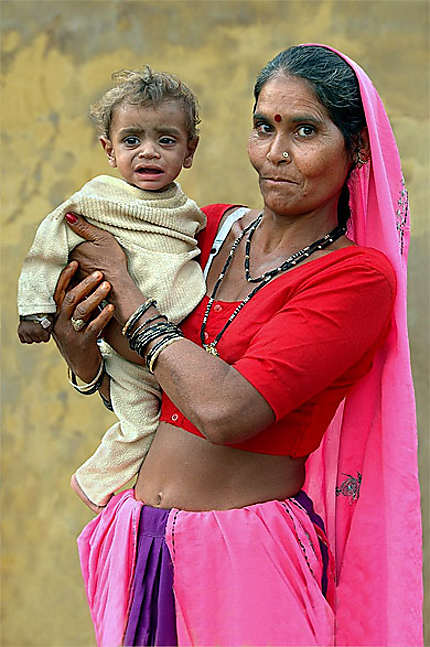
363,478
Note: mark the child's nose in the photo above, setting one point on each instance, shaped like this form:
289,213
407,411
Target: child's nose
148,150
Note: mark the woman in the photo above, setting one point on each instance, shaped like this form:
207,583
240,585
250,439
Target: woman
299,318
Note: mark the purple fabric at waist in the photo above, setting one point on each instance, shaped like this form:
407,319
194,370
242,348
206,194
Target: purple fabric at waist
152,618
306,503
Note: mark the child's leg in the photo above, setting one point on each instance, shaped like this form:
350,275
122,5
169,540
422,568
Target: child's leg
135,397
81,494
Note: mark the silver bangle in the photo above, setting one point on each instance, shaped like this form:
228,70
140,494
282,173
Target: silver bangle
91,387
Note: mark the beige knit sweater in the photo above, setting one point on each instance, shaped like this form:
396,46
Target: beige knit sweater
157,231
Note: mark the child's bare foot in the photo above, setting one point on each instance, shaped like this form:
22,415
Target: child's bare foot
81,494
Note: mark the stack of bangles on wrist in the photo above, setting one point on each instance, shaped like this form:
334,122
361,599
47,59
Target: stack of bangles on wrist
156,327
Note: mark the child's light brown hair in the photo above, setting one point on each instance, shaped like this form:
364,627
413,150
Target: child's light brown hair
144,87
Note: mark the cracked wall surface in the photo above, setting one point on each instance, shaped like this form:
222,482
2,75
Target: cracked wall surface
57,58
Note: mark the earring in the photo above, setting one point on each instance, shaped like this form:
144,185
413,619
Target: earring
358,160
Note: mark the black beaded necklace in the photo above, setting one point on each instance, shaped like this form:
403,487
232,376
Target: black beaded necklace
262,280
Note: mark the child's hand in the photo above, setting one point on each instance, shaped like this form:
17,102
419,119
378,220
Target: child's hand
31,332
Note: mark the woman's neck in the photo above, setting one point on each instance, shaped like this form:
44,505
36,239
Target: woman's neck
289,233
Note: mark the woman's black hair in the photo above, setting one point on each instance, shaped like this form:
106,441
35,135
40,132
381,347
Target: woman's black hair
336,87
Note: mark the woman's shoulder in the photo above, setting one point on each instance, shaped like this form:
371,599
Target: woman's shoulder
217,210
215,214
372,260
350,270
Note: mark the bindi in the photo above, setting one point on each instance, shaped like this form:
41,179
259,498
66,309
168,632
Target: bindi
277,117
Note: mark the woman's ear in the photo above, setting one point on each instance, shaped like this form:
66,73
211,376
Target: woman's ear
188,159
364,143
361,148
109,150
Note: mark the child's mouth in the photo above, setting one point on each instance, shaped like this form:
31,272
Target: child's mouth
149,171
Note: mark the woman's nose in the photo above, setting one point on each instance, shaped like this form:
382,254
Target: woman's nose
279,151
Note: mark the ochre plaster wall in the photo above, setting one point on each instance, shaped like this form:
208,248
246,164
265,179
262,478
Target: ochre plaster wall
57,57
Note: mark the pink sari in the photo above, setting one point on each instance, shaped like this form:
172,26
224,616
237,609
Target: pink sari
363,479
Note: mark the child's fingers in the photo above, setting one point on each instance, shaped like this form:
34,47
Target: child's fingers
30,332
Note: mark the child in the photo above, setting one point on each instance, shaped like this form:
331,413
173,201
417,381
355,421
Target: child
147,123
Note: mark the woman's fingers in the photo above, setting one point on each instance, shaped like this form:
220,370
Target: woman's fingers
83,228
98,251
63,282
80,292
97,325
85,309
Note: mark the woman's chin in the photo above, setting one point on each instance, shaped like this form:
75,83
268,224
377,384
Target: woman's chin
280,207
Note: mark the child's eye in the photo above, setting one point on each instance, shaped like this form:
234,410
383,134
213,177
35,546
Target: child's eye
131,140
305,131
167,141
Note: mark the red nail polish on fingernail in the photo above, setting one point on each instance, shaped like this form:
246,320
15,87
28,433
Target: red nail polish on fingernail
70,217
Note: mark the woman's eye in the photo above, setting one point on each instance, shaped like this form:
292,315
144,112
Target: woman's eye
305,131
131,140
263,129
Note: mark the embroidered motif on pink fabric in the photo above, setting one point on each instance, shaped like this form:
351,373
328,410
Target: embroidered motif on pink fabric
402,214
350,487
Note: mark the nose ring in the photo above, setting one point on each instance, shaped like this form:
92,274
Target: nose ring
285,155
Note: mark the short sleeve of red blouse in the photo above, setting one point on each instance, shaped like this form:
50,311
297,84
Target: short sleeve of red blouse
333,320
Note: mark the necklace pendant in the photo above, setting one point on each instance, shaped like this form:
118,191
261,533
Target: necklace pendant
211,349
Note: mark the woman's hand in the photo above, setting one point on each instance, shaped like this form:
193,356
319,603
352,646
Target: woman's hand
79,348
102,252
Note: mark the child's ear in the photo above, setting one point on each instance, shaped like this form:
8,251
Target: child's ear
192,145
108,149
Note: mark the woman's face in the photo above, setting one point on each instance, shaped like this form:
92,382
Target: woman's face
289,117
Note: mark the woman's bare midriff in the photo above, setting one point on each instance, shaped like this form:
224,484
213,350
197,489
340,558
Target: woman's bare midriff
187,472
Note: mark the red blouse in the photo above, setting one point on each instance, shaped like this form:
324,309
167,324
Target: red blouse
303,341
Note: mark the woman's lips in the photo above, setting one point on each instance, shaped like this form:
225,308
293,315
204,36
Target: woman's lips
278,180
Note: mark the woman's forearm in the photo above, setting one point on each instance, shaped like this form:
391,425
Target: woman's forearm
211,394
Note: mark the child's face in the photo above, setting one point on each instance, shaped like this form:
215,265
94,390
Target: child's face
149,145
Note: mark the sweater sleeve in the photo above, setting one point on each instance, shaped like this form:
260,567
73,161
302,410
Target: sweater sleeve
43,264
329,325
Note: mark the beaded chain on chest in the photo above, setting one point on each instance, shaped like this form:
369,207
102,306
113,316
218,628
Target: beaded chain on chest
262,280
